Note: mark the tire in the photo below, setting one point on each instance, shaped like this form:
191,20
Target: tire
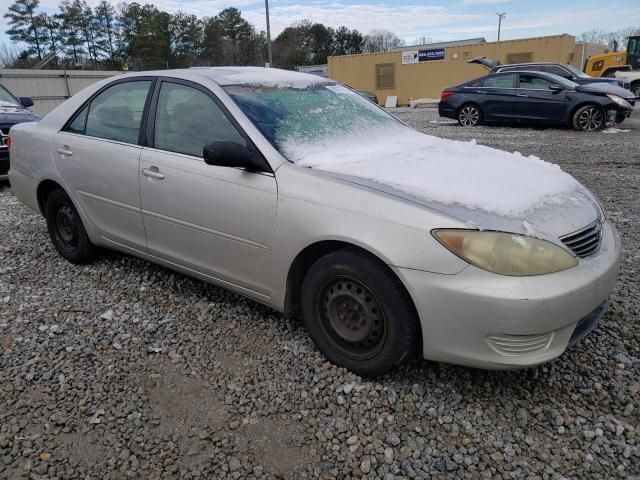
589,118
358,313
469,115
66,229
635,88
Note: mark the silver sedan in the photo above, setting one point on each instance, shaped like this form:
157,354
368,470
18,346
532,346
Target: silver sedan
297,192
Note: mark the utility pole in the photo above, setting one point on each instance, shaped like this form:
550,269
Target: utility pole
501,15
270,58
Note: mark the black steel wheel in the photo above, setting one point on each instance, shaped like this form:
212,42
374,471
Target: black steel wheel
589,118
66,229
469,115
352,316
358,313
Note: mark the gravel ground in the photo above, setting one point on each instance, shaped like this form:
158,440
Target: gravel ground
122,369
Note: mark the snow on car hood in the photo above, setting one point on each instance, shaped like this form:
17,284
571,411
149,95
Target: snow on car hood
477,184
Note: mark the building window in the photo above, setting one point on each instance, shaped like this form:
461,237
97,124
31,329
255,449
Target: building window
523,57
385,75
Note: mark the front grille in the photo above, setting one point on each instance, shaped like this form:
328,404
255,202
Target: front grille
4,135
585,241
626,85
516,345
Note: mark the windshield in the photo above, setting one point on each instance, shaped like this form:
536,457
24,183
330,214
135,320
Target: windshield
317,112
576,72
6,97
562,81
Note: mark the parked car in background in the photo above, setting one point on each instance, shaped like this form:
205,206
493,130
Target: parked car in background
372,97
12,111
298,193
568,72
536,98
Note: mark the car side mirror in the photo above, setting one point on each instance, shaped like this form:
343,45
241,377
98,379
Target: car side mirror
26,101
232,154
556,88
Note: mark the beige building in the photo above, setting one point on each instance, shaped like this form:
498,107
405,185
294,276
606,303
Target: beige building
426,71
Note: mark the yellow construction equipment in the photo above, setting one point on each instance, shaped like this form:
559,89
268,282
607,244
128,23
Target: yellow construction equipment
618,64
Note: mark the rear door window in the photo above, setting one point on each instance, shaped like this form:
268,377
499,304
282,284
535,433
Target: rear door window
500,81
115,114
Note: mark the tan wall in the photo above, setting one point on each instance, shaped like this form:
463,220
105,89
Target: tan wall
427,79
49,88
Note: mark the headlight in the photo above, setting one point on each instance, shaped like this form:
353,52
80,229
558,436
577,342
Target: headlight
619,100
506,253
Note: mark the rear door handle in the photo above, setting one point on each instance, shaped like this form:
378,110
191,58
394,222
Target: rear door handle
153,172
65,151
523,95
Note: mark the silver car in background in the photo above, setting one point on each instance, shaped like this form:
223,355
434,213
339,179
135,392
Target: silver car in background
297,192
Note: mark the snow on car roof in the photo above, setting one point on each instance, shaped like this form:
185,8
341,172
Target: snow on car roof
258,76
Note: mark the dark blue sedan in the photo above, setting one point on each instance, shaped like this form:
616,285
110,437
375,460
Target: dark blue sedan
536,98
12,111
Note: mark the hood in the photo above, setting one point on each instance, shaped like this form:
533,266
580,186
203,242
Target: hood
10,113
605,87
480,186
484,61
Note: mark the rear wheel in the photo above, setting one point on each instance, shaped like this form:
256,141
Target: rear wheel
358,313
66,229
469,115
589,118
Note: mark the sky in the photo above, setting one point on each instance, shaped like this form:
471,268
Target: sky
411,20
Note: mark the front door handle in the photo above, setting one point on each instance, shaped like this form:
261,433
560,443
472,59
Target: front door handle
65,151
153,172
523,95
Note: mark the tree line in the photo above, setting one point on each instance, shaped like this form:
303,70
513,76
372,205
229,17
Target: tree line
141,37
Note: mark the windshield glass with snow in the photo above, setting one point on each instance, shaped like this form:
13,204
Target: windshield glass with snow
6,97
287,114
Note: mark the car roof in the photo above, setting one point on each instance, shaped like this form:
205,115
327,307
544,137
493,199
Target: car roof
498,67
225,76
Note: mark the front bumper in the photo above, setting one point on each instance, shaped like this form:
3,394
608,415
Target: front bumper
4,163
485,320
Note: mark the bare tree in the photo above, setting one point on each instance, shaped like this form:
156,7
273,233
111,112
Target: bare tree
381,41
8,55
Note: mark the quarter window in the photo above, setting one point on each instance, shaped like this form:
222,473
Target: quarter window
79,123
531,82
187,119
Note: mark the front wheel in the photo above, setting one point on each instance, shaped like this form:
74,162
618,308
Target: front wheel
635,88
588,118
469,115
358,313
66,229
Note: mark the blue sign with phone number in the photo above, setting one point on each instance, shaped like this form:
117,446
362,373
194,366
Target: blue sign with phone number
431,54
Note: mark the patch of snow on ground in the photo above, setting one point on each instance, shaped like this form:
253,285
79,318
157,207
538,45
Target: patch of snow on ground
616,130
445,171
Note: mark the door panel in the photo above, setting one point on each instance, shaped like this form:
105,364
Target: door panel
98,155
103,177
218,221
537,102
496,96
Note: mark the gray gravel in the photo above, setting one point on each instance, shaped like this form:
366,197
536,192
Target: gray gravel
122,369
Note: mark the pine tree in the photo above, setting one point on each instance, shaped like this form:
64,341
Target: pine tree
24,25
